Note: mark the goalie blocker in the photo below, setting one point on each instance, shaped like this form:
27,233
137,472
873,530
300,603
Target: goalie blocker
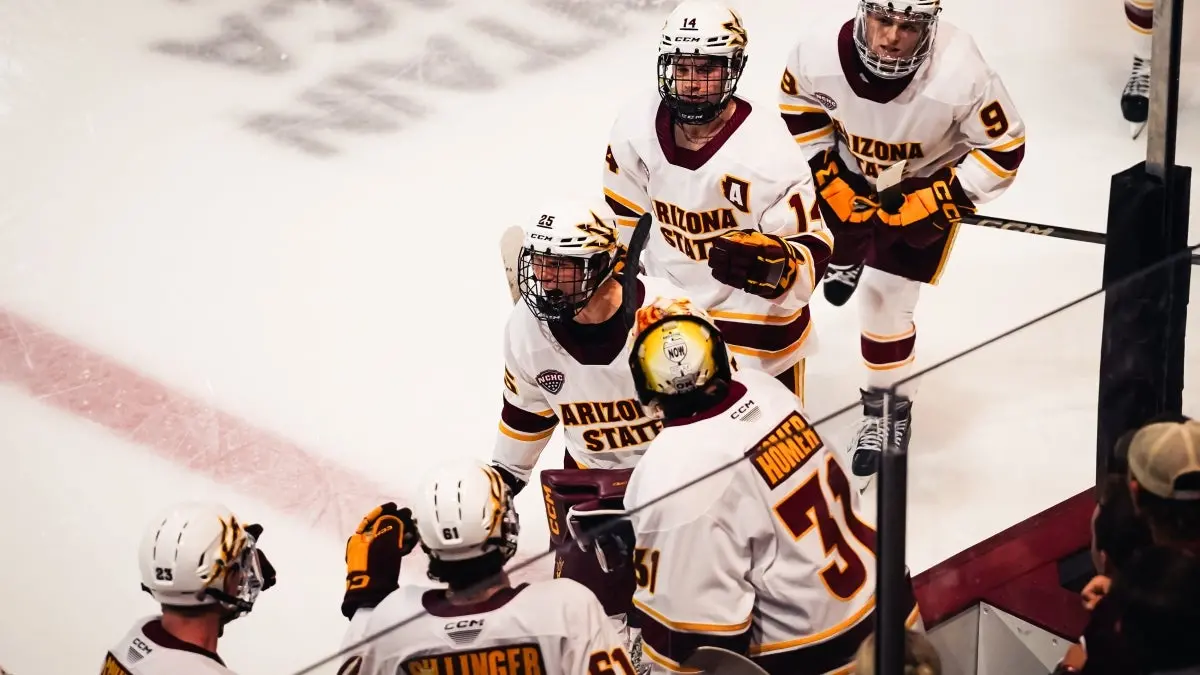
581,505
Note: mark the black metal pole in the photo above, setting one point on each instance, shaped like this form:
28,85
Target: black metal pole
891,523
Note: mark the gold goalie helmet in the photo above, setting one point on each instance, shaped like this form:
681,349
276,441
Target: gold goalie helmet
676,350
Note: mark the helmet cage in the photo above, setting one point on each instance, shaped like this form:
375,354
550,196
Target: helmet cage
687,111
886,67
568,298
244,562
250,583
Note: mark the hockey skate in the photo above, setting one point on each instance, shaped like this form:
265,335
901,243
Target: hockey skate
840,282
870,437
1135,99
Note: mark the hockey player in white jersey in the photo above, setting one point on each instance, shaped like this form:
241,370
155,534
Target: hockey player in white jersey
479,623
769,557
204,568
896,84
566,364
736,222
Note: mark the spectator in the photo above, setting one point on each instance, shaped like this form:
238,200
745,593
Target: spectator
1159,600
1118,531
1164,480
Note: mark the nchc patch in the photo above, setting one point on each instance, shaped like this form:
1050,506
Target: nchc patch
551,380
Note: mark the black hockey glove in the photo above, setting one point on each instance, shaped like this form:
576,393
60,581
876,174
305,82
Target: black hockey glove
373,556
515,485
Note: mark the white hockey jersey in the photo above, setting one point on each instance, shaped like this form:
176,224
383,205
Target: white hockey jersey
739,180
580,379
769,556
148,649
554,627
954,111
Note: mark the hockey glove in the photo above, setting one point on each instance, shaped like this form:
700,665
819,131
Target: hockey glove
265,568
931,205
606,531
373,555
757,263
843,193
515,484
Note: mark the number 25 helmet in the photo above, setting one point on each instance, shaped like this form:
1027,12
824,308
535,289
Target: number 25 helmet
701,55
904,17
677,352
568,252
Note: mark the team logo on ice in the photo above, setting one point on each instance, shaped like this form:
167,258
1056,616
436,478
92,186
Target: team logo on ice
737,191
826,100
551,380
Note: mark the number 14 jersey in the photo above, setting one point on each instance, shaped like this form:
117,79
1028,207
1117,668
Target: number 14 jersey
769,556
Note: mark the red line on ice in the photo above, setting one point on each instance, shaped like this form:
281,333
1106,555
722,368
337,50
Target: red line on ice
195,435
72,378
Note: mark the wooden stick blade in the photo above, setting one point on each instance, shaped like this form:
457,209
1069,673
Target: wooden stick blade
510,252
891,176
722,662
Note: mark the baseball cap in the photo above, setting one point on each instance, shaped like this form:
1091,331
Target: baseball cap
1160,453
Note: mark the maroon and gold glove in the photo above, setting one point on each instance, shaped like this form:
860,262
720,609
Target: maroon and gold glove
844,194
929,207
757,263
373,555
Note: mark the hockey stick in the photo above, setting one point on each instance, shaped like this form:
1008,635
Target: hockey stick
891,177
1046,231
722,662
510,252
633,257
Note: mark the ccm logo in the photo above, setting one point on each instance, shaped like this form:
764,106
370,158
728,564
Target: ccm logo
465,623
742,409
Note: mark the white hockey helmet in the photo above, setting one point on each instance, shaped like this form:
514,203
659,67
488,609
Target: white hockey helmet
465,511
908,16
677,350
188,553
569,250
701,56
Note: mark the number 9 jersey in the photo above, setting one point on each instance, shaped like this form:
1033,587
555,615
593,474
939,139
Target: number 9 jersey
952,112
769,557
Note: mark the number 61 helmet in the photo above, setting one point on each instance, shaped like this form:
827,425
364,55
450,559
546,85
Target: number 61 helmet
191,555
677,352
465,511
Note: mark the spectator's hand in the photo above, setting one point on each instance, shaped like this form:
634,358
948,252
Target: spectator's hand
1096,589
1072,662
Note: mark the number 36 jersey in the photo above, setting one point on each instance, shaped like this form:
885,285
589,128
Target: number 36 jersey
768,557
